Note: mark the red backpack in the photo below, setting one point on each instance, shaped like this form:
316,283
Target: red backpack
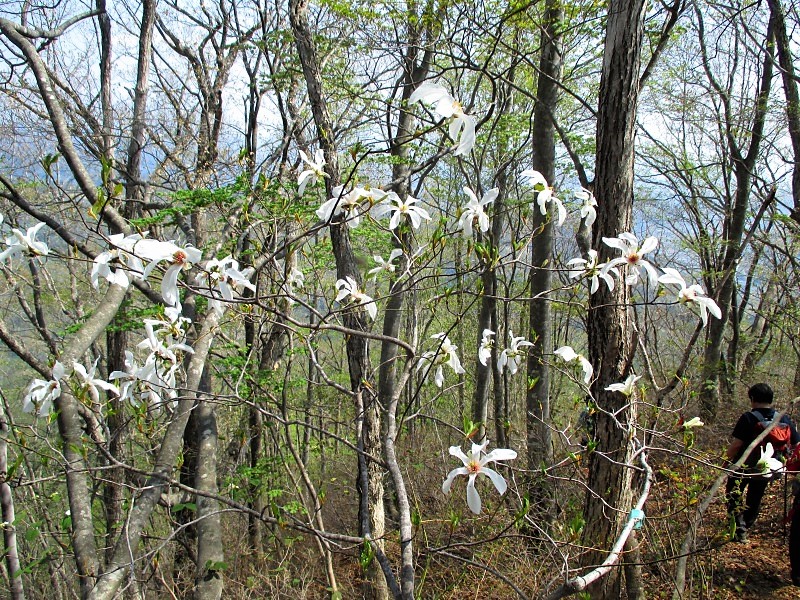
779,436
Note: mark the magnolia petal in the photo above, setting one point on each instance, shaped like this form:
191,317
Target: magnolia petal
438,377
499,482
595,283
451,477
499,454
608,279
648,245
672,276
616,243
588,370
562,212
459,453
468,191
473,499
169,285
467,136
372,309
566,353
651,272
711,306
490,196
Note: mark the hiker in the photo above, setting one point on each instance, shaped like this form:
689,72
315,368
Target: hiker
749,481
793,468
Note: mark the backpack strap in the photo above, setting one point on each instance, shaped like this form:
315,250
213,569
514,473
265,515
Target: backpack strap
762,418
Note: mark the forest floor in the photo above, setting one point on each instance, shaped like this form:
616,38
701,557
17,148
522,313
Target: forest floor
758,568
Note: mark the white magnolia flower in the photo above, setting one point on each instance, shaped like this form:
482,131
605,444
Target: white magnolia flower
159,380
386,266
474,213
24,243
581,267
462,127
224,281
632,254
350,205
627,387
162,343
172,328
90,383
535,179
510,356
127,379
567,354
444,355
180,258
475,465
295,279
693,294
767,463
156,379
40,394
314,173
401,210
119,263
485,349
588,212
294,282
692,423
348,288
544,194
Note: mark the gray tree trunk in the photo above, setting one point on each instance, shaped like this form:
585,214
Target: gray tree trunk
9,529
610,343
790,90
368,421
210,555
539,439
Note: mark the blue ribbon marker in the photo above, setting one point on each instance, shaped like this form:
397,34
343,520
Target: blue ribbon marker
637,515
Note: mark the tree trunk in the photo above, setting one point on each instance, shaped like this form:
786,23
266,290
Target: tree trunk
368,422
210,556
9,519
540,448
790,90
610,344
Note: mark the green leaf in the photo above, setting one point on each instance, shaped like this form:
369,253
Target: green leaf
367,554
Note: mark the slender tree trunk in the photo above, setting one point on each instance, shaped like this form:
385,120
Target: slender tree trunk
540,448
368,421
610,344
9,529
116,421
415,70
634,584
140,512
210,555
790,90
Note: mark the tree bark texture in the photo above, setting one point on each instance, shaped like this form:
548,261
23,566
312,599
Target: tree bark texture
609,493
142,507
368,421
210,554
9,529
540,449
792,93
